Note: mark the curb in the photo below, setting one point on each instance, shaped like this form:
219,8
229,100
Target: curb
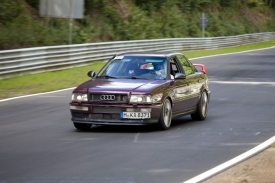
218,169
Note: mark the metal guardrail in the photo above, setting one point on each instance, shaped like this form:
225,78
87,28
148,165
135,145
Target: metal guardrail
39,59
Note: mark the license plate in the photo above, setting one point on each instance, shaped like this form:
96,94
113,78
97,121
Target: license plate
135,115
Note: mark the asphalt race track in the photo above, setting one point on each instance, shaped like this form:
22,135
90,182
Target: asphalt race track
39,144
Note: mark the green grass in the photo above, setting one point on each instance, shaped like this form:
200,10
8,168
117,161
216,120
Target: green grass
46,81
194,54
55,80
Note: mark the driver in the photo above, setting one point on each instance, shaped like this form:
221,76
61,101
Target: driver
159,70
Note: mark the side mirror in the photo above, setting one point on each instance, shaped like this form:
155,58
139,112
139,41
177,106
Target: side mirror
180,75
91,74
203,68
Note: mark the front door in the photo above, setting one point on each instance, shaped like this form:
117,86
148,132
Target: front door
180,89
193,78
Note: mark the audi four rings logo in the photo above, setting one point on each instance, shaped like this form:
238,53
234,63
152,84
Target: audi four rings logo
107,97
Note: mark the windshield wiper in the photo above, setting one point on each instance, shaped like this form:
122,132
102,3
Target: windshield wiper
134,77
107,76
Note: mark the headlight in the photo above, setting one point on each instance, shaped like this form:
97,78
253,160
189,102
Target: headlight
141,99
79,97
146,99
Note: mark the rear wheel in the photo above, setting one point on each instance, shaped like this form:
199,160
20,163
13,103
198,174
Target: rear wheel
201,112
82,126
166,115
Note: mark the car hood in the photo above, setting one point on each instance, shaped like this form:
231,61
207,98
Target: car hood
120,85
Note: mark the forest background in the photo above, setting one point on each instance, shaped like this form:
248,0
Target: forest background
117,20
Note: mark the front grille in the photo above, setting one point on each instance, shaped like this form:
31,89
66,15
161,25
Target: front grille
103,109
108,98
96,116
80,115
104,116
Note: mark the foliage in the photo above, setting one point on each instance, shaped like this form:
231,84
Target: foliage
33,3
229,3
114,20
9,10
32,33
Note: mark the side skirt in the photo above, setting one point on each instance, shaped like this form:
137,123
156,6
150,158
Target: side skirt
186,112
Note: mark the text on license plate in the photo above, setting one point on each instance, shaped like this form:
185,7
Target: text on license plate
135,115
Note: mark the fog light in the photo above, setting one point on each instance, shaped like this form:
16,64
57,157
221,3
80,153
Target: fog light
80,108
132,109
145,109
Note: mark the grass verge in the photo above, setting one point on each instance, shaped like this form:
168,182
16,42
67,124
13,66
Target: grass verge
254,46
56,80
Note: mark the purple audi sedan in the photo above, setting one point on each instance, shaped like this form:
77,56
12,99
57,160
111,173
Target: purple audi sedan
141,88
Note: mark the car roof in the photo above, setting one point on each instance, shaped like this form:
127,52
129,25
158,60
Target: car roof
148,53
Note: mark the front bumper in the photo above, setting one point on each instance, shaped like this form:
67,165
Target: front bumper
110,115
115,122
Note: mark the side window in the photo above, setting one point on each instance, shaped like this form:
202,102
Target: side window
186,65
174,68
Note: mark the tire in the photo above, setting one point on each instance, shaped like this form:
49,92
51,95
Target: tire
201,111
166,115
82,126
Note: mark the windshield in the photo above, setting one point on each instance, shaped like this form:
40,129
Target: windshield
135,67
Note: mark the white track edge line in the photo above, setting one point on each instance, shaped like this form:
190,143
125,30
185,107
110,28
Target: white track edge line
210,173
3,100
13,98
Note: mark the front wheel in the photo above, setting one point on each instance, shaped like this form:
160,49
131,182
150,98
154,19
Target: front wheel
82,126
165,115
201,112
